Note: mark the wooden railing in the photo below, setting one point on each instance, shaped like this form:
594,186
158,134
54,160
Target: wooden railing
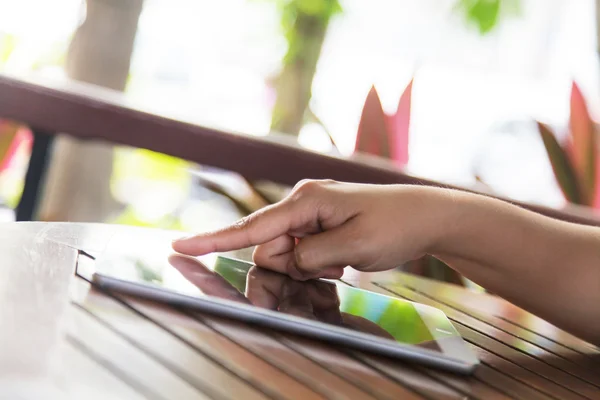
88,112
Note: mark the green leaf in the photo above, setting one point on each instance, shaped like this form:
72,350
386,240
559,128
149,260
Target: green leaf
8,43
483,13
312,7
561,165
583,135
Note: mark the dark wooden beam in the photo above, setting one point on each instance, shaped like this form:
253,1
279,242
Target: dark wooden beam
89,112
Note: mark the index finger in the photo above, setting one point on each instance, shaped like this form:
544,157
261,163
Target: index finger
257,228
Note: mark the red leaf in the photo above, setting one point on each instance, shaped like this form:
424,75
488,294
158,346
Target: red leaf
583,138
561,165
8,142
400,126
372,134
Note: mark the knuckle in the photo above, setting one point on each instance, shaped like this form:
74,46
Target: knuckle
245,227
243,223
309,187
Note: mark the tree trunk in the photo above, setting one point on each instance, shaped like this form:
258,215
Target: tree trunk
294,84
78,183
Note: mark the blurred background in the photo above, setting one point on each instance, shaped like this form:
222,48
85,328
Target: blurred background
482,72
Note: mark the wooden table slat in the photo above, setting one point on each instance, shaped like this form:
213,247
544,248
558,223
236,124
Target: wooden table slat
317,377
584,361
507,384
551,374
350,369
523,375
231,354
198,370
520,352
567,385
87,379
409,377
469,386
149,377
497,309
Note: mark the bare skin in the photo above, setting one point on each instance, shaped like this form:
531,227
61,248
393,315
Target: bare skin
548,267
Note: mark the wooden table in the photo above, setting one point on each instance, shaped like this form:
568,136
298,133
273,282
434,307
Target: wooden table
62,337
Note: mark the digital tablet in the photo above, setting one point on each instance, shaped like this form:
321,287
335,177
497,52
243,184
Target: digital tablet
322,309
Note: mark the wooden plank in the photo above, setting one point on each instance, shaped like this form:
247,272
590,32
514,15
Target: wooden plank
469,386
410,377
230,354
375,378
568,386
175,355
554,381
517,372
320,379
507,384
352,370
588,362
87,379
509,340
513,349
498,310
138,368
92,113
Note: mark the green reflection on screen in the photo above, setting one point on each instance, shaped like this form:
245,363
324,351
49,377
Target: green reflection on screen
397,317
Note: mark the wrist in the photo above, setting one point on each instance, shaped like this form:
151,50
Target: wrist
435,216
457,215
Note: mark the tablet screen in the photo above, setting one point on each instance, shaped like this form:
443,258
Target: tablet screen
333,303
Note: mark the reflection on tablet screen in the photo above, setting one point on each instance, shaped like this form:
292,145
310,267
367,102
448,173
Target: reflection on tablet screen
319,300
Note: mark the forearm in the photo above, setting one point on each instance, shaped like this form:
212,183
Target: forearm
548,267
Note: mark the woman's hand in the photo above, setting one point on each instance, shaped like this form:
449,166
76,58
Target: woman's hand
549,267
323,226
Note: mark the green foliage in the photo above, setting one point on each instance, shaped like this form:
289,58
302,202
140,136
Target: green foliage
8,43
146,164
141,165
486,14
575,162
320,10
564,171
129,216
